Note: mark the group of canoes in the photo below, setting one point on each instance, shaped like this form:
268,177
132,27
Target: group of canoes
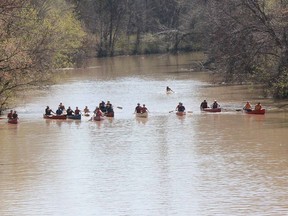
215,107
106,110
101,111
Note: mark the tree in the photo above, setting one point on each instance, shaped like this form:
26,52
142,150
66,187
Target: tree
249,42
33,42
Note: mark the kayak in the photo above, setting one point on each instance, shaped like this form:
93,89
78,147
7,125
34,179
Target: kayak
259,112
76,117
111,114
212,109
142,115
54,116
13,121
180,113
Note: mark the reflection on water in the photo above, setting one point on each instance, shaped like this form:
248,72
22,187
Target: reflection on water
227,163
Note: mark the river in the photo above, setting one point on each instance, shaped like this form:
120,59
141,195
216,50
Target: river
227,163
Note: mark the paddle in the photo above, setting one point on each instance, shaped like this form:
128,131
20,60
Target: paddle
119,107
189,111
171,111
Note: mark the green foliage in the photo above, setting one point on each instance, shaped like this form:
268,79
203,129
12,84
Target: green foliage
35,40
280,86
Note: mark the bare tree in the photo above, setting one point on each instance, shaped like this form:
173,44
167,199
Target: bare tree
249,42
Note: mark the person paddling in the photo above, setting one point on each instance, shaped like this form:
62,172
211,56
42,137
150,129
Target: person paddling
204,105
59,111
48,111
77,111
10,114
247,107
69,111
258,106
215,105
102,106
144,109
62,107
86,110
168,89
180,107
109,110
15,115
138,108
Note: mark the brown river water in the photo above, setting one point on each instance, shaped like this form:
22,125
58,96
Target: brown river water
227,163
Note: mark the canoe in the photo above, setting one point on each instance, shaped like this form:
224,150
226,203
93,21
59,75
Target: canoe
76,117
180,113
111,114
212,109
54,116
142,115
257,112
13,121
98,118
86,114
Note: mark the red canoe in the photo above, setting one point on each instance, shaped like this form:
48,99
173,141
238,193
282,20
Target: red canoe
212,109
13,121
98,118
54,116
259,112
180,113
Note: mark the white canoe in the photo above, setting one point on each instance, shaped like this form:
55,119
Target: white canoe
142,115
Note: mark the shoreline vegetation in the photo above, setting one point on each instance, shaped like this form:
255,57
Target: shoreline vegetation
37,37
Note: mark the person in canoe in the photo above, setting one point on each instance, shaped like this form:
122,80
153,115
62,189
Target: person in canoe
61,106
247,107
258,106
69,111
77,111
86,110
15,115
144,109
48,111
98,113
59,111
204,105
109,110
108,103
138,108
180,107
10,114
168,89
215,105
102,106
